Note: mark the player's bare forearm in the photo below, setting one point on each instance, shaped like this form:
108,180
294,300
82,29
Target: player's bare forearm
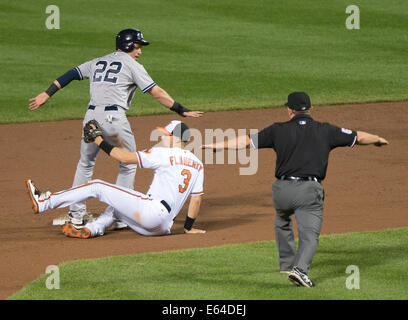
124,156
57,84
364,138
167,101
162,96
41,99
194,207
241,142
193,210
119,154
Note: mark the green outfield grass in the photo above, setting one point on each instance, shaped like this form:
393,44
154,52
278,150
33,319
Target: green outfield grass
209,55
243,271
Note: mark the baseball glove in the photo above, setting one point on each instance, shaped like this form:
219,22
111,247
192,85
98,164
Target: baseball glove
92,129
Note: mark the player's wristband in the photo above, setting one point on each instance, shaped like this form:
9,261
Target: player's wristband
178,108
52,89
189,223
106,147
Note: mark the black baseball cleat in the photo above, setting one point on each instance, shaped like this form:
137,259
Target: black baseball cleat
300,278
34,194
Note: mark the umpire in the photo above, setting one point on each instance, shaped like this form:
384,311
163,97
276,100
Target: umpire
302,147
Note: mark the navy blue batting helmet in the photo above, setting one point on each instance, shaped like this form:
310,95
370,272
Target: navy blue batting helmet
126,38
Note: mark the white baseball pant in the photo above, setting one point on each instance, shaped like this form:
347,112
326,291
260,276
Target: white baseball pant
146,216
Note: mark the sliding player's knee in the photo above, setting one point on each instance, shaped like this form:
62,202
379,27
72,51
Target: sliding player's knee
97,181
97,186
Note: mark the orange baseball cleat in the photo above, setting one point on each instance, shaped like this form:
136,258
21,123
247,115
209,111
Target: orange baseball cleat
73,232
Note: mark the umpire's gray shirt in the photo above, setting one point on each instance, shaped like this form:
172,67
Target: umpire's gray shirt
114,79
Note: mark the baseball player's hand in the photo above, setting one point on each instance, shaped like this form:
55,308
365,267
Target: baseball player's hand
194,231
381,142
38,101
92,130
193,114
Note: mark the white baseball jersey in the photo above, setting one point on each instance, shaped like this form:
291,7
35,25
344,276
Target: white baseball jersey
114,79
178,173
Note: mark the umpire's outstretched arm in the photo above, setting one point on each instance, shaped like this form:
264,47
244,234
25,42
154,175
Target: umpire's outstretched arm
364,138
240,142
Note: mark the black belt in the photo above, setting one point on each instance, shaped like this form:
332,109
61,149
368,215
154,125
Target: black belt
164,203
290,178
107,108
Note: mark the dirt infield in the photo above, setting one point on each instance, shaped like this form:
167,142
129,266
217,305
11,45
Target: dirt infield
366,188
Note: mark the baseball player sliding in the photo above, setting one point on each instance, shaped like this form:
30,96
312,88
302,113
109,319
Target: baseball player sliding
178,174
114,79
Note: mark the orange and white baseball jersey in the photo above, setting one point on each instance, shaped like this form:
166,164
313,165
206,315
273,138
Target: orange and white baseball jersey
178,173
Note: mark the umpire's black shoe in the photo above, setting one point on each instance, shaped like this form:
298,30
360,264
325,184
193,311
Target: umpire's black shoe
300,278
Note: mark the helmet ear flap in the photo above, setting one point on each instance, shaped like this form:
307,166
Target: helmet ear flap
125,46
128,47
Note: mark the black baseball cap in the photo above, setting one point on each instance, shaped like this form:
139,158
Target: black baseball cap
178,129
298,101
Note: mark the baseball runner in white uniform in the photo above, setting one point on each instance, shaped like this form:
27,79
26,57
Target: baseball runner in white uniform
178,174
114,79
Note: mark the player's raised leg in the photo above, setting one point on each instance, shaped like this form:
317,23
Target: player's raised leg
103,191
139,212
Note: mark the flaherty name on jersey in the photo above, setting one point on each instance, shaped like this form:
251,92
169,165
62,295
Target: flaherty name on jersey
174,161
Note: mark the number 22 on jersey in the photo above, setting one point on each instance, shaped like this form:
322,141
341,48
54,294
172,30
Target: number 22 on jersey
115,68
187,174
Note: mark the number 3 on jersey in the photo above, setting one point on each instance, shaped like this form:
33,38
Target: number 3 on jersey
186,174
